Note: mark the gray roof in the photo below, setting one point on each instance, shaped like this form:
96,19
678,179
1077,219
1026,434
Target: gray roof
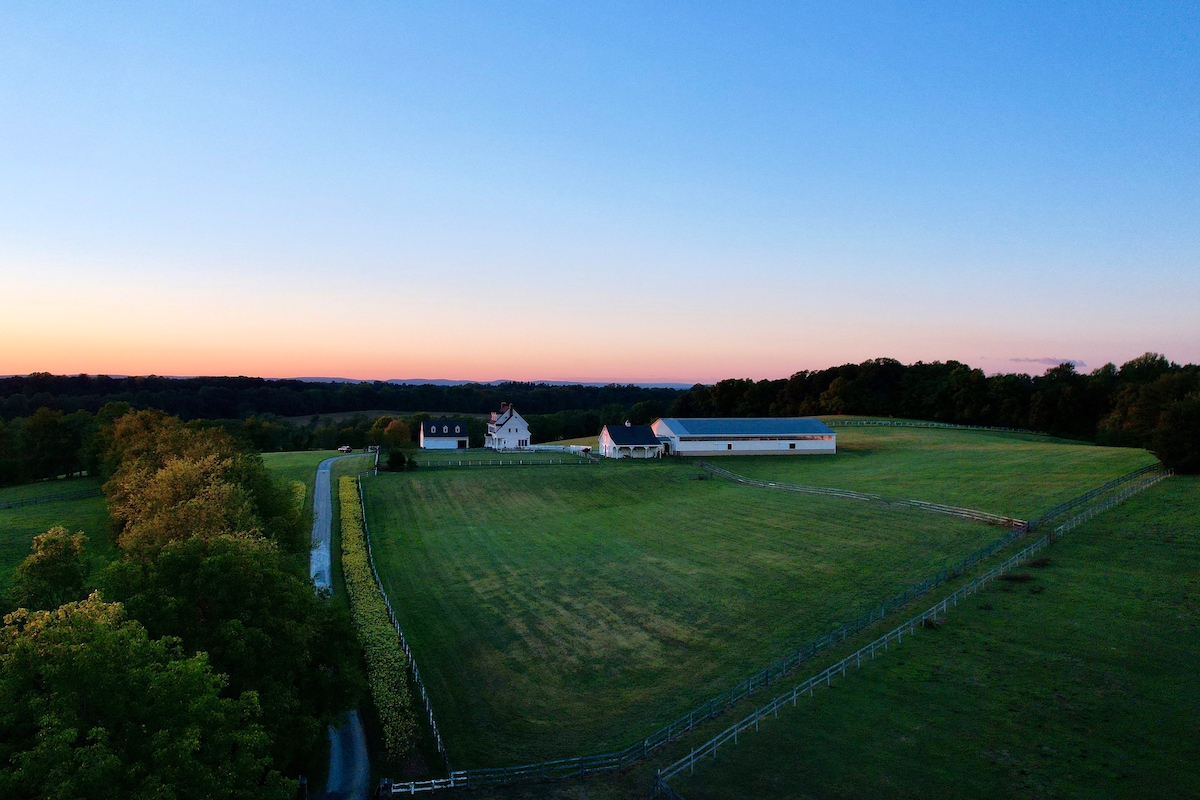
632,435
750,426
433,427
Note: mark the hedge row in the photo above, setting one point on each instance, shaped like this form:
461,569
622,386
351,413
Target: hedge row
299,495
387,666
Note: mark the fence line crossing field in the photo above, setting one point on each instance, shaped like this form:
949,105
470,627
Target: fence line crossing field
1076,680
1011,474
19,525
559,612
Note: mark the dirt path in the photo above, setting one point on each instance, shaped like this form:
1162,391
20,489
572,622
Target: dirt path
349,766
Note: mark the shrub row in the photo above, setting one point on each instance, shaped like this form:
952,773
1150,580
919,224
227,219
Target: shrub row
299,495
387,666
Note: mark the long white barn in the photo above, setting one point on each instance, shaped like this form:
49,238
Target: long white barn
753,436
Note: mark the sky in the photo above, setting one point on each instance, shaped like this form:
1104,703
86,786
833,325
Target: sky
632,192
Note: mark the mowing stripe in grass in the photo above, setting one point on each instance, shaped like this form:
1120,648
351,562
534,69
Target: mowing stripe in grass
896,635
572,767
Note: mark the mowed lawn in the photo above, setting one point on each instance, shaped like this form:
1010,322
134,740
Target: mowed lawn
1082,683
481,456
1018,475
18,526
558,611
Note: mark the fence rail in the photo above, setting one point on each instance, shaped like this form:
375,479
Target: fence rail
845,494
582,765
412,662
896,636
501,462
896,423
78,494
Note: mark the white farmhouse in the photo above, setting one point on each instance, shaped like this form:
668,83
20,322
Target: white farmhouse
629,441
733,437
444,434
507,430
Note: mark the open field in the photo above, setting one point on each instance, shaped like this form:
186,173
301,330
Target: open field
1003,473
18,526
482,456
584,441
556,612
1080,683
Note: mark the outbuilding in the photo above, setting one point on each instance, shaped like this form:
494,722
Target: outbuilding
724,436
629,441
444,434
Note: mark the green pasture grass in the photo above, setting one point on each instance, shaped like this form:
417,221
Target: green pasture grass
26,491
559,612
298,466
584,441
1013,474
1080,683
481,455
18,526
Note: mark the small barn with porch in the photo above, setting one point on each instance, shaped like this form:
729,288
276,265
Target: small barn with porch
629,441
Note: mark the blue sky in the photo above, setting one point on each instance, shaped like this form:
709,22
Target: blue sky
602,192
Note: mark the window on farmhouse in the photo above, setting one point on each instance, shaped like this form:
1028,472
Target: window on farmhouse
728,447
792,446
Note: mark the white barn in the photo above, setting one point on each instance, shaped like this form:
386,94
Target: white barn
629,441
753,436
444,434
507,430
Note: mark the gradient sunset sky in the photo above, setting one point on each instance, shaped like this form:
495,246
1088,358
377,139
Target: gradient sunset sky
595,191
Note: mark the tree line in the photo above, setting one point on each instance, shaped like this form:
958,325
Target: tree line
240,398
1147,402
199,662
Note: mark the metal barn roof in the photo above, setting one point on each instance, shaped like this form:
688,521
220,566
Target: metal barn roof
734,427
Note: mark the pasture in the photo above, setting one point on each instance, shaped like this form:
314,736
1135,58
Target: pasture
480,457
557,611
1017,475
19,525
1079,683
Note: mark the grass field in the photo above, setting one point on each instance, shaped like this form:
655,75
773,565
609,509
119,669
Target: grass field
484,456
559,611
1079,684
18,526
1003,473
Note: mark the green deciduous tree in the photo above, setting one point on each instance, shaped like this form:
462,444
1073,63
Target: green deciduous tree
92,707
54,573
242,603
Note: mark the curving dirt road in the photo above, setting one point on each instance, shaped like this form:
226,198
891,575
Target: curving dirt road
349,767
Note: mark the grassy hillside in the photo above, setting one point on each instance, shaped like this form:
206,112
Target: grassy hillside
1004,473
18,526
1081,683
556,611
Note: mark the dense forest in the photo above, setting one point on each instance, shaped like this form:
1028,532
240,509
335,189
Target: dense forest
199,662
50,421
239,398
